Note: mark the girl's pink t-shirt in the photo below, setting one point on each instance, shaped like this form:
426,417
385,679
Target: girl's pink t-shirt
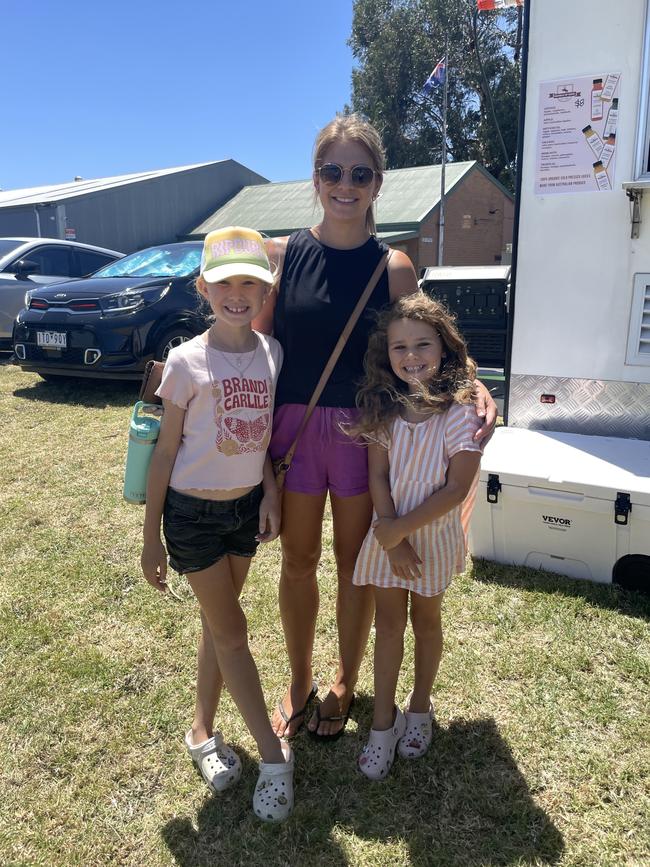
228,403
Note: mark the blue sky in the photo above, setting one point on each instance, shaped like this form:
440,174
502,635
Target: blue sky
105,87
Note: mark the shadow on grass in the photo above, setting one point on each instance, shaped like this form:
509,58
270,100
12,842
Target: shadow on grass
609,596
466,803
97,393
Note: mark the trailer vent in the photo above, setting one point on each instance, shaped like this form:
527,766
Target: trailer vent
638,343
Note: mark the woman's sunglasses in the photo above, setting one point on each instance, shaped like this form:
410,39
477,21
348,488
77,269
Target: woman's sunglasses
332,173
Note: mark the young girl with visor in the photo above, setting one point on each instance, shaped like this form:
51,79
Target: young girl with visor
211,482
323,273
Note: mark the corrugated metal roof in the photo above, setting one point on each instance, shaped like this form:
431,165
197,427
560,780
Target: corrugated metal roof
407,197
58,192
394,237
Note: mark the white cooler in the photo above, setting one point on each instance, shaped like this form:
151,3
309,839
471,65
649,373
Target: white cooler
568,503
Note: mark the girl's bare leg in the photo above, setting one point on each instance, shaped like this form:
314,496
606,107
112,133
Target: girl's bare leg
302,527
354,607
218,598
209,681
390,622
427,629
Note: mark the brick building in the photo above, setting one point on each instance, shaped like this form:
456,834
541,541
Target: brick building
478,213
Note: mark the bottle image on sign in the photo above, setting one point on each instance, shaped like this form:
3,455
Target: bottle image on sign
593,140
597,99
608,149
612,119
602,178
610,86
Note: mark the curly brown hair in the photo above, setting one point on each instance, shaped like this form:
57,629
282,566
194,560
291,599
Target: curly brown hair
382,394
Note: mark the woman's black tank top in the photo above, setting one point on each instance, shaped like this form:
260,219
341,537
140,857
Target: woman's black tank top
318,291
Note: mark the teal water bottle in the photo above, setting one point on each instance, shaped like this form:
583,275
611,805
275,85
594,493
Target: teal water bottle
143,433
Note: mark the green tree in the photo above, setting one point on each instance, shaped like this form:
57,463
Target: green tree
398,42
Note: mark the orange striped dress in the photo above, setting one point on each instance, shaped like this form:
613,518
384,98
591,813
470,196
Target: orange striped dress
418,457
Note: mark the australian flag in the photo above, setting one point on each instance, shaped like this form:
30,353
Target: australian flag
436,78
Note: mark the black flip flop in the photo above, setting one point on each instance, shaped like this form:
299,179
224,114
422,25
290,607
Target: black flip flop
343,717
302,712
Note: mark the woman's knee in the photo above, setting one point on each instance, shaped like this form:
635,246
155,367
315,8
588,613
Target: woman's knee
230,636
299,561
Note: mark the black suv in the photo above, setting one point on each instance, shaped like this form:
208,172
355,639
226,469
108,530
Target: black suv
111,323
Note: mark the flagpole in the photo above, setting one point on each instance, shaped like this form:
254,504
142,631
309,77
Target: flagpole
441,230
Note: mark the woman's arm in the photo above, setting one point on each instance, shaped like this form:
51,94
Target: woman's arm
275,249
460,475
402,279
154,557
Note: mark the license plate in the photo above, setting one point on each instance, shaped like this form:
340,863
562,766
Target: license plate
53,339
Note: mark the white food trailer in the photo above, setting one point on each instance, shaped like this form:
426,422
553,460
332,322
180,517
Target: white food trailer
566,485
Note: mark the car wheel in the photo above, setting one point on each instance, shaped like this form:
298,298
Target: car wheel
169,340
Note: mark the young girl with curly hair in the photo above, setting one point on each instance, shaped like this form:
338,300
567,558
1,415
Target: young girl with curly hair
419,421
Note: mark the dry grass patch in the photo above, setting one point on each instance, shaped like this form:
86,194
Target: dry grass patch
540,755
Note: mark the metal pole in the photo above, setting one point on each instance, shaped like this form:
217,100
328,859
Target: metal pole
441,230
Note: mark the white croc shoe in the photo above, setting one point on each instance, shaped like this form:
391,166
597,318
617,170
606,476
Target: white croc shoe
416,740
219,764
377,756
273,798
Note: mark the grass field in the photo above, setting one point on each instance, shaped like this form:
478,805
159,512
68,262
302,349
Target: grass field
540,754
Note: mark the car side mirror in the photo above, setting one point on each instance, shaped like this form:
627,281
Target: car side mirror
24,267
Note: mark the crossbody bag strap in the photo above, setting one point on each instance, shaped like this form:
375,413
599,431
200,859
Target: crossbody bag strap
336,352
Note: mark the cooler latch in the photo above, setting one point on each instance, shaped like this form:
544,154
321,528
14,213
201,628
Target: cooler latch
493,488
622,508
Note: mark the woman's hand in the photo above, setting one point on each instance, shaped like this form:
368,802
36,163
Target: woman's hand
387,532
154,564
404,562
486,409
270,512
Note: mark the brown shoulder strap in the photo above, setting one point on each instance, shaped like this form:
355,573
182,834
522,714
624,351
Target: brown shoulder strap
336,352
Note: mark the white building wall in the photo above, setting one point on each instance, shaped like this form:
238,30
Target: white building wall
576,257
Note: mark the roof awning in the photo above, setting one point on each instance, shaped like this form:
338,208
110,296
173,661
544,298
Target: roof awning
394,237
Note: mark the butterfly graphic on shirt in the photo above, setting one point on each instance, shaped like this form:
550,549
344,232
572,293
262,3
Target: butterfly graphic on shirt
246,431
237,436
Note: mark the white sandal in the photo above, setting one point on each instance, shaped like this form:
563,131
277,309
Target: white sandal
416,740
273,798
377,756
219,764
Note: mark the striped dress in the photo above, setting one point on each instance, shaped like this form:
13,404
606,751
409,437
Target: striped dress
418,456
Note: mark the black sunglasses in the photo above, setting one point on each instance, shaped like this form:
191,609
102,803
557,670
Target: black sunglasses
332,173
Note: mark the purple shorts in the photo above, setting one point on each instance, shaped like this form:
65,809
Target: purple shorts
326,458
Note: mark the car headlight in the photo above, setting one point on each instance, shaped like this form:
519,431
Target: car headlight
132,299
27,297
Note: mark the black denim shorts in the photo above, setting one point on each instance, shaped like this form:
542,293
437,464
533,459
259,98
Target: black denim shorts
200,532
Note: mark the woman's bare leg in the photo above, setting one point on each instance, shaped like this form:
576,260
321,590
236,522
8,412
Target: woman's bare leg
209,681
216,592
354,606
390,623
427,629
302,527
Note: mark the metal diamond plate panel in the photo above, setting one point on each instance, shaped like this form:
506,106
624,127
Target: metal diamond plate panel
587,406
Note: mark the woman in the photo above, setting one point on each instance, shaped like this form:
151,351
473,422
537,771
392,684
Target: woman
322,271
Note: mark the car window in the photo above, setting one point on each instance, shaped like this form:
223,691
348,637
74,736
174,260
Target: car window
156,262
8,244
87,262
51,261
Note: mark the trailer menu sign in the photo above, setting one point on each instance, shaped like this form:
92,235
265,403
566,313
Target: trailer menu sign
576,139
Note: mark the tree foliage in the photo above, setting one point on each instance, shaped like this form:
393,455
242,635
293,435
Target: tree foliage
398,42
